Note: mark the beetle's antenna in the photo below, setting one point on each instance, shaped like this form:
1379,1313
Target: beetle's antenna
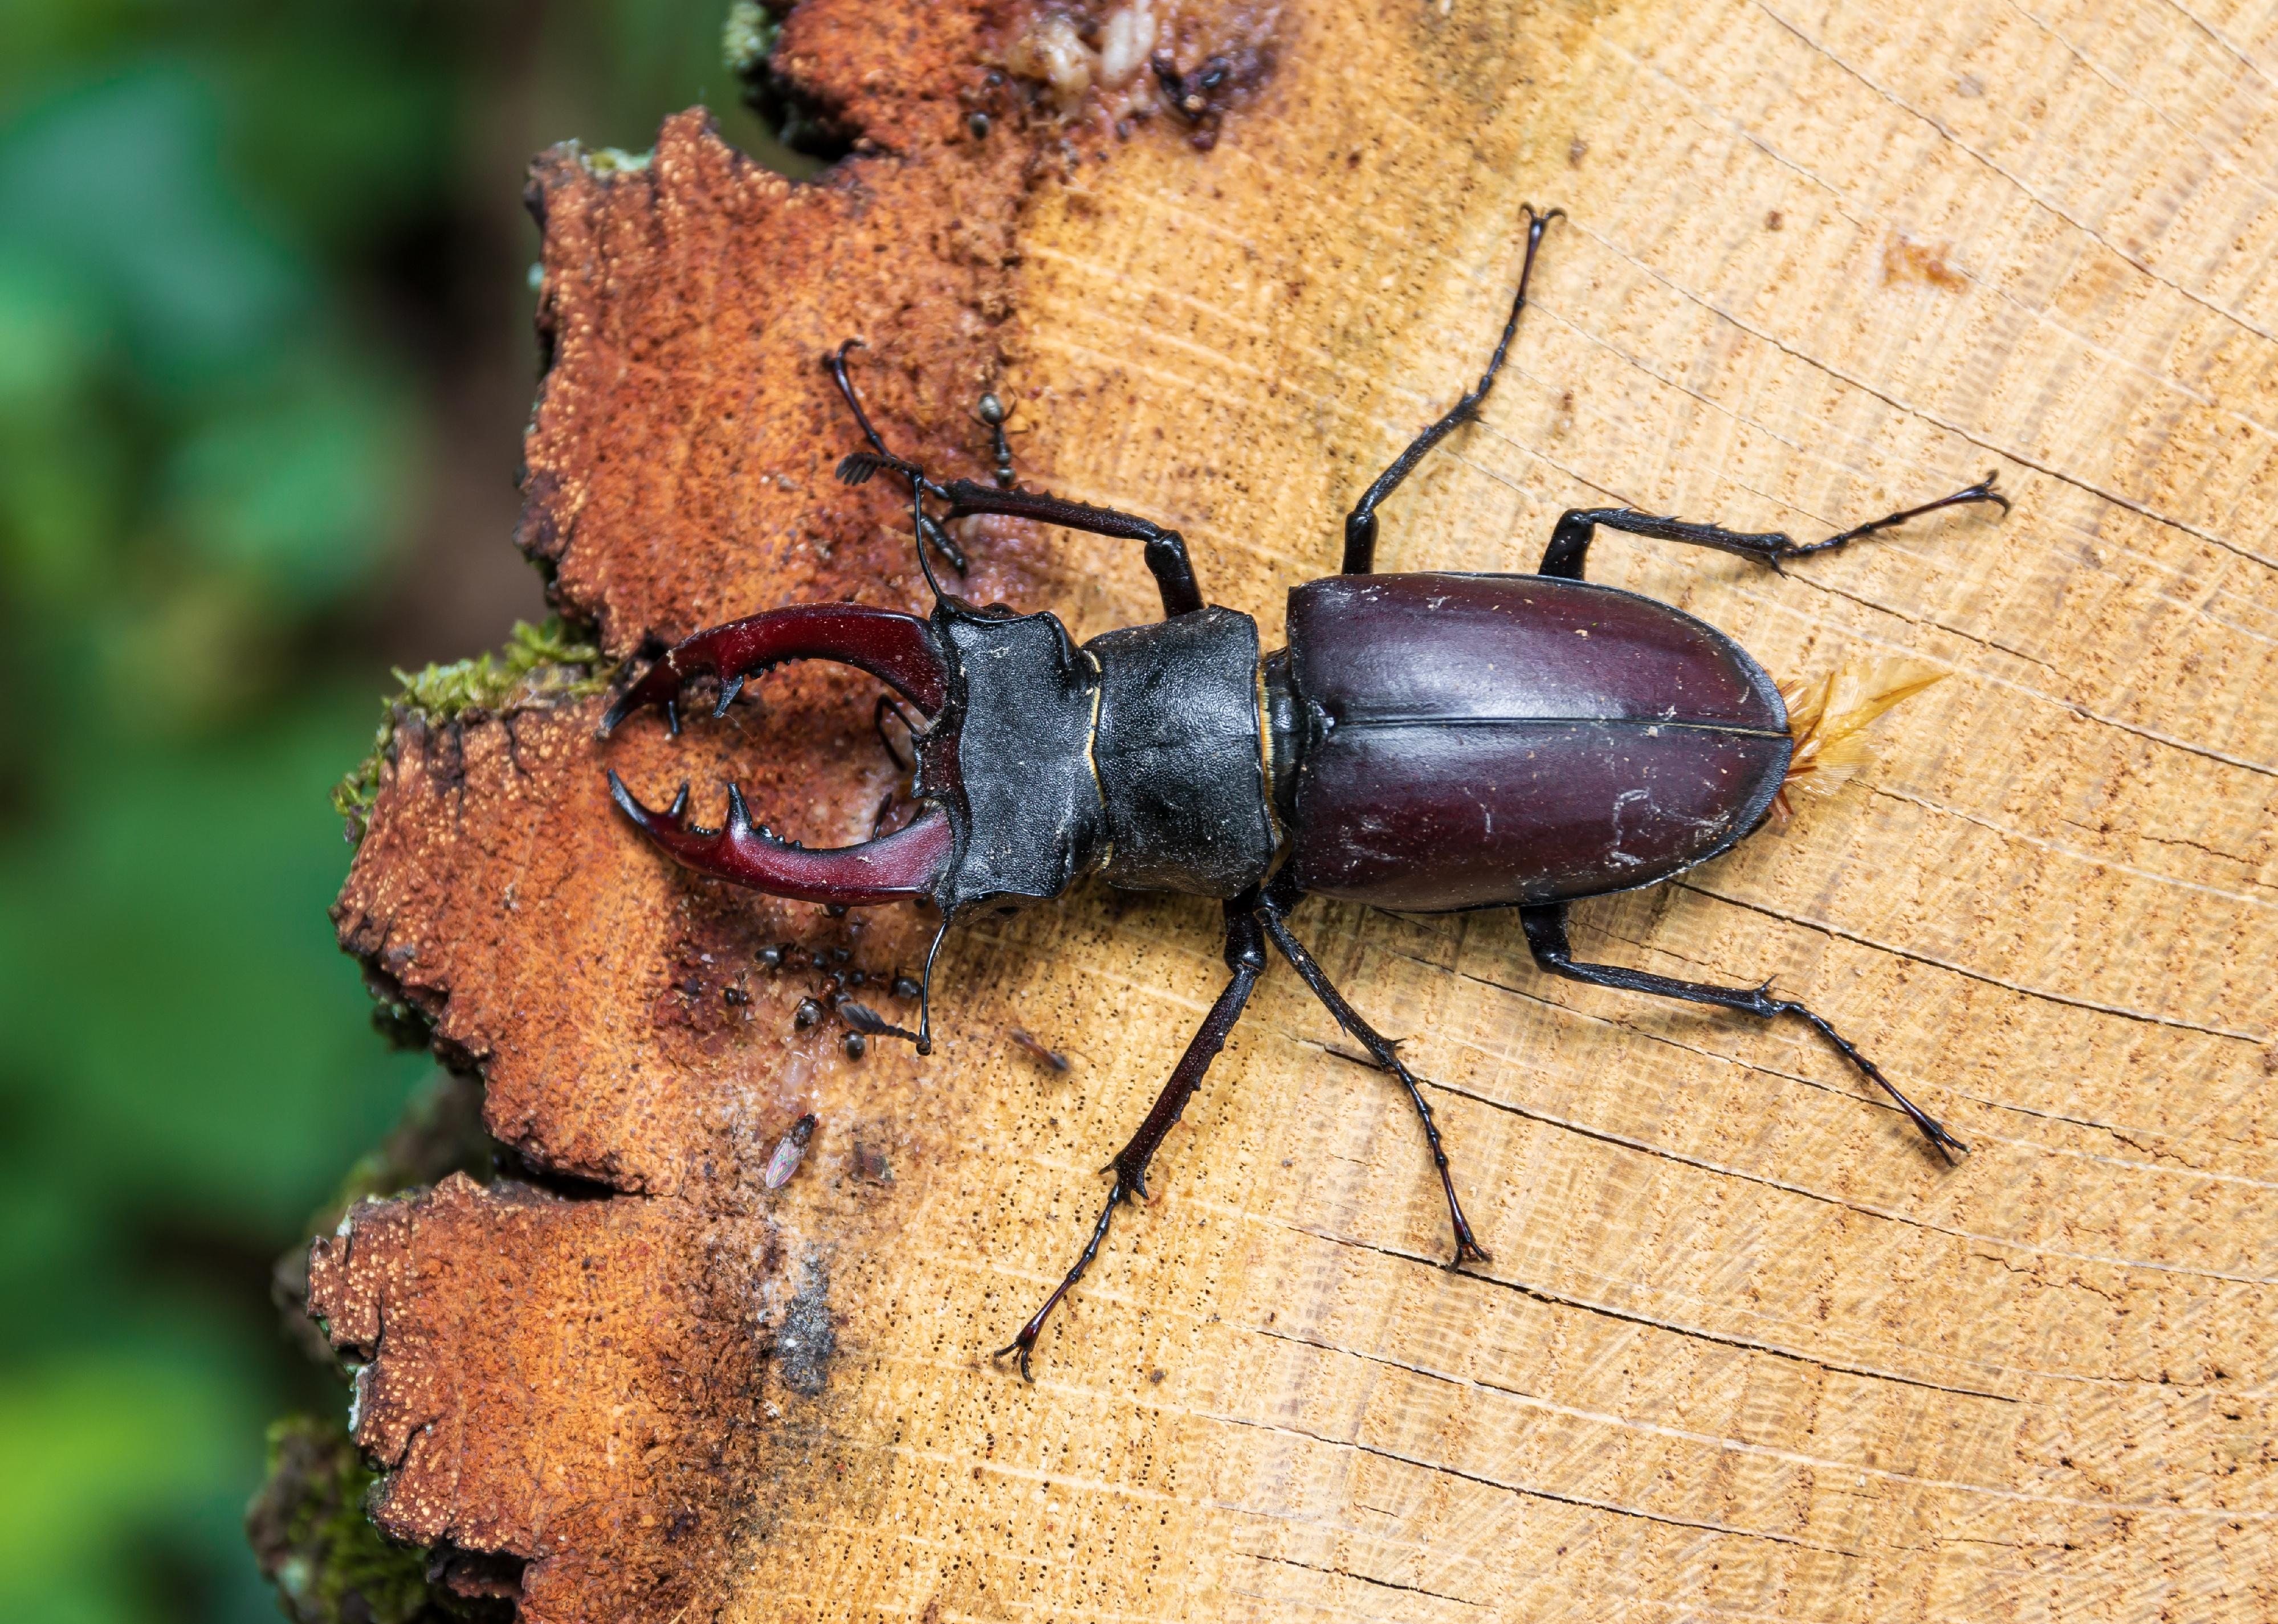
991,412
925,991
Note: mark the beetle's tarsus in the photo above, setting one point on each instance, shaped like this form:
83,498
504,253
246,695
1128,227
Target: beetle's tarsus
1026,1341
1981,492
1022,1345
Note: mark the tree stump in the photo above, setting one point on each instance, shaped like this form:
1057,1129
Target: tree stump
1746,1350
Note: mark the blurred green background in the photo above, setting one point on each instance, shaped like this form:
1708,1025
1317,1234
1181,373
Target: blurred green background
265,360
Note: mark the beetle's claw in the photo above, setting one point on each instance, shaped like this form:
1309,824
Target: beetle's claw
1020,1345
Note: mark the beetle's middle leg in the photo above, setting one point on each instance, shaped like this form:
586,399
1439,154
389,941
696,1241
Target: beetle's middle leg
1245,955
1468,1249
1545,938
1360,523
1570,541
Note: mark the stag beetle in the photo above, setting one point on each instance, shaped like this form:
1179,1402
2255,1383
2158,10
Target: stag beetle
1427,743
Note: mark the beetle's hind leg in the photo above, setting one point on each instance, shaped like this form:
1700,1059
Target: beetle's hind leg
1360,523
1468,1249
1245,956
1570,541
1545,938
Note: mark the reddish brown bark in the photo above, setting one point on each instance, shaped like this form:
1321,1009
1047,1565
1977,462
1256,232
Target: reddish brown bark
601,1386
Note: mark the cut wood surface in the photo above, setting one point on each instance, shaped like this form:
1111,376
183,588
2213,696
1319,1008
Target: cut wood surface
1746,1349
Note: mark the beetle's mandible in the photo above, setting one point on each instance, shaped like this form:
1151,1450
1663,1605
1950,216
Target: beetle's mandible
1426,743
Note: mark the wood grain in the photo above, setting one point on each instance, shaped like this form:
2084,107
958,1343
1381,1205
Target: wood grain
1745,1350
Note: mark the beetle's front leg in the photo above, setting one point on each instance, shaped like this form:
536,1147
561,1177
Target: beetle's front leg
1545,938
1245,955
1570,541
929,532
1165,551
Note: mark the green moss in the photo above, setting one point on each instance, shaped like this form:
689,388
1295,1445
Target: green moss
539,665
314,1542
605,160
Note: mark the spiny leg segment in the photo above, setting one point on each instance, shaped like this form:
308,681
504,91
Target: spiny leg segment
1245,956
1546,937
1360,524
1570,541
1251,919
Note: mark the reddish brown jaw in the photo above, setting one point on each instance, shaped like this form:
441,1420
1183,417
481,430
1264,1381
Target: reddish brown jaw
900,867
898,648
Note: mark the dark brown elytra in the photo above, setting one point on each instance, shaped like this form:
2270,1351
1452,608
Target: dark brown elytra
1427,743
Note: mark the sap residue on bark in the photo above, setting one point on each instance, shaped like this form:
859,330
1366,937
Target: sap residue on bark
1119,65
1905,260
804,1340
